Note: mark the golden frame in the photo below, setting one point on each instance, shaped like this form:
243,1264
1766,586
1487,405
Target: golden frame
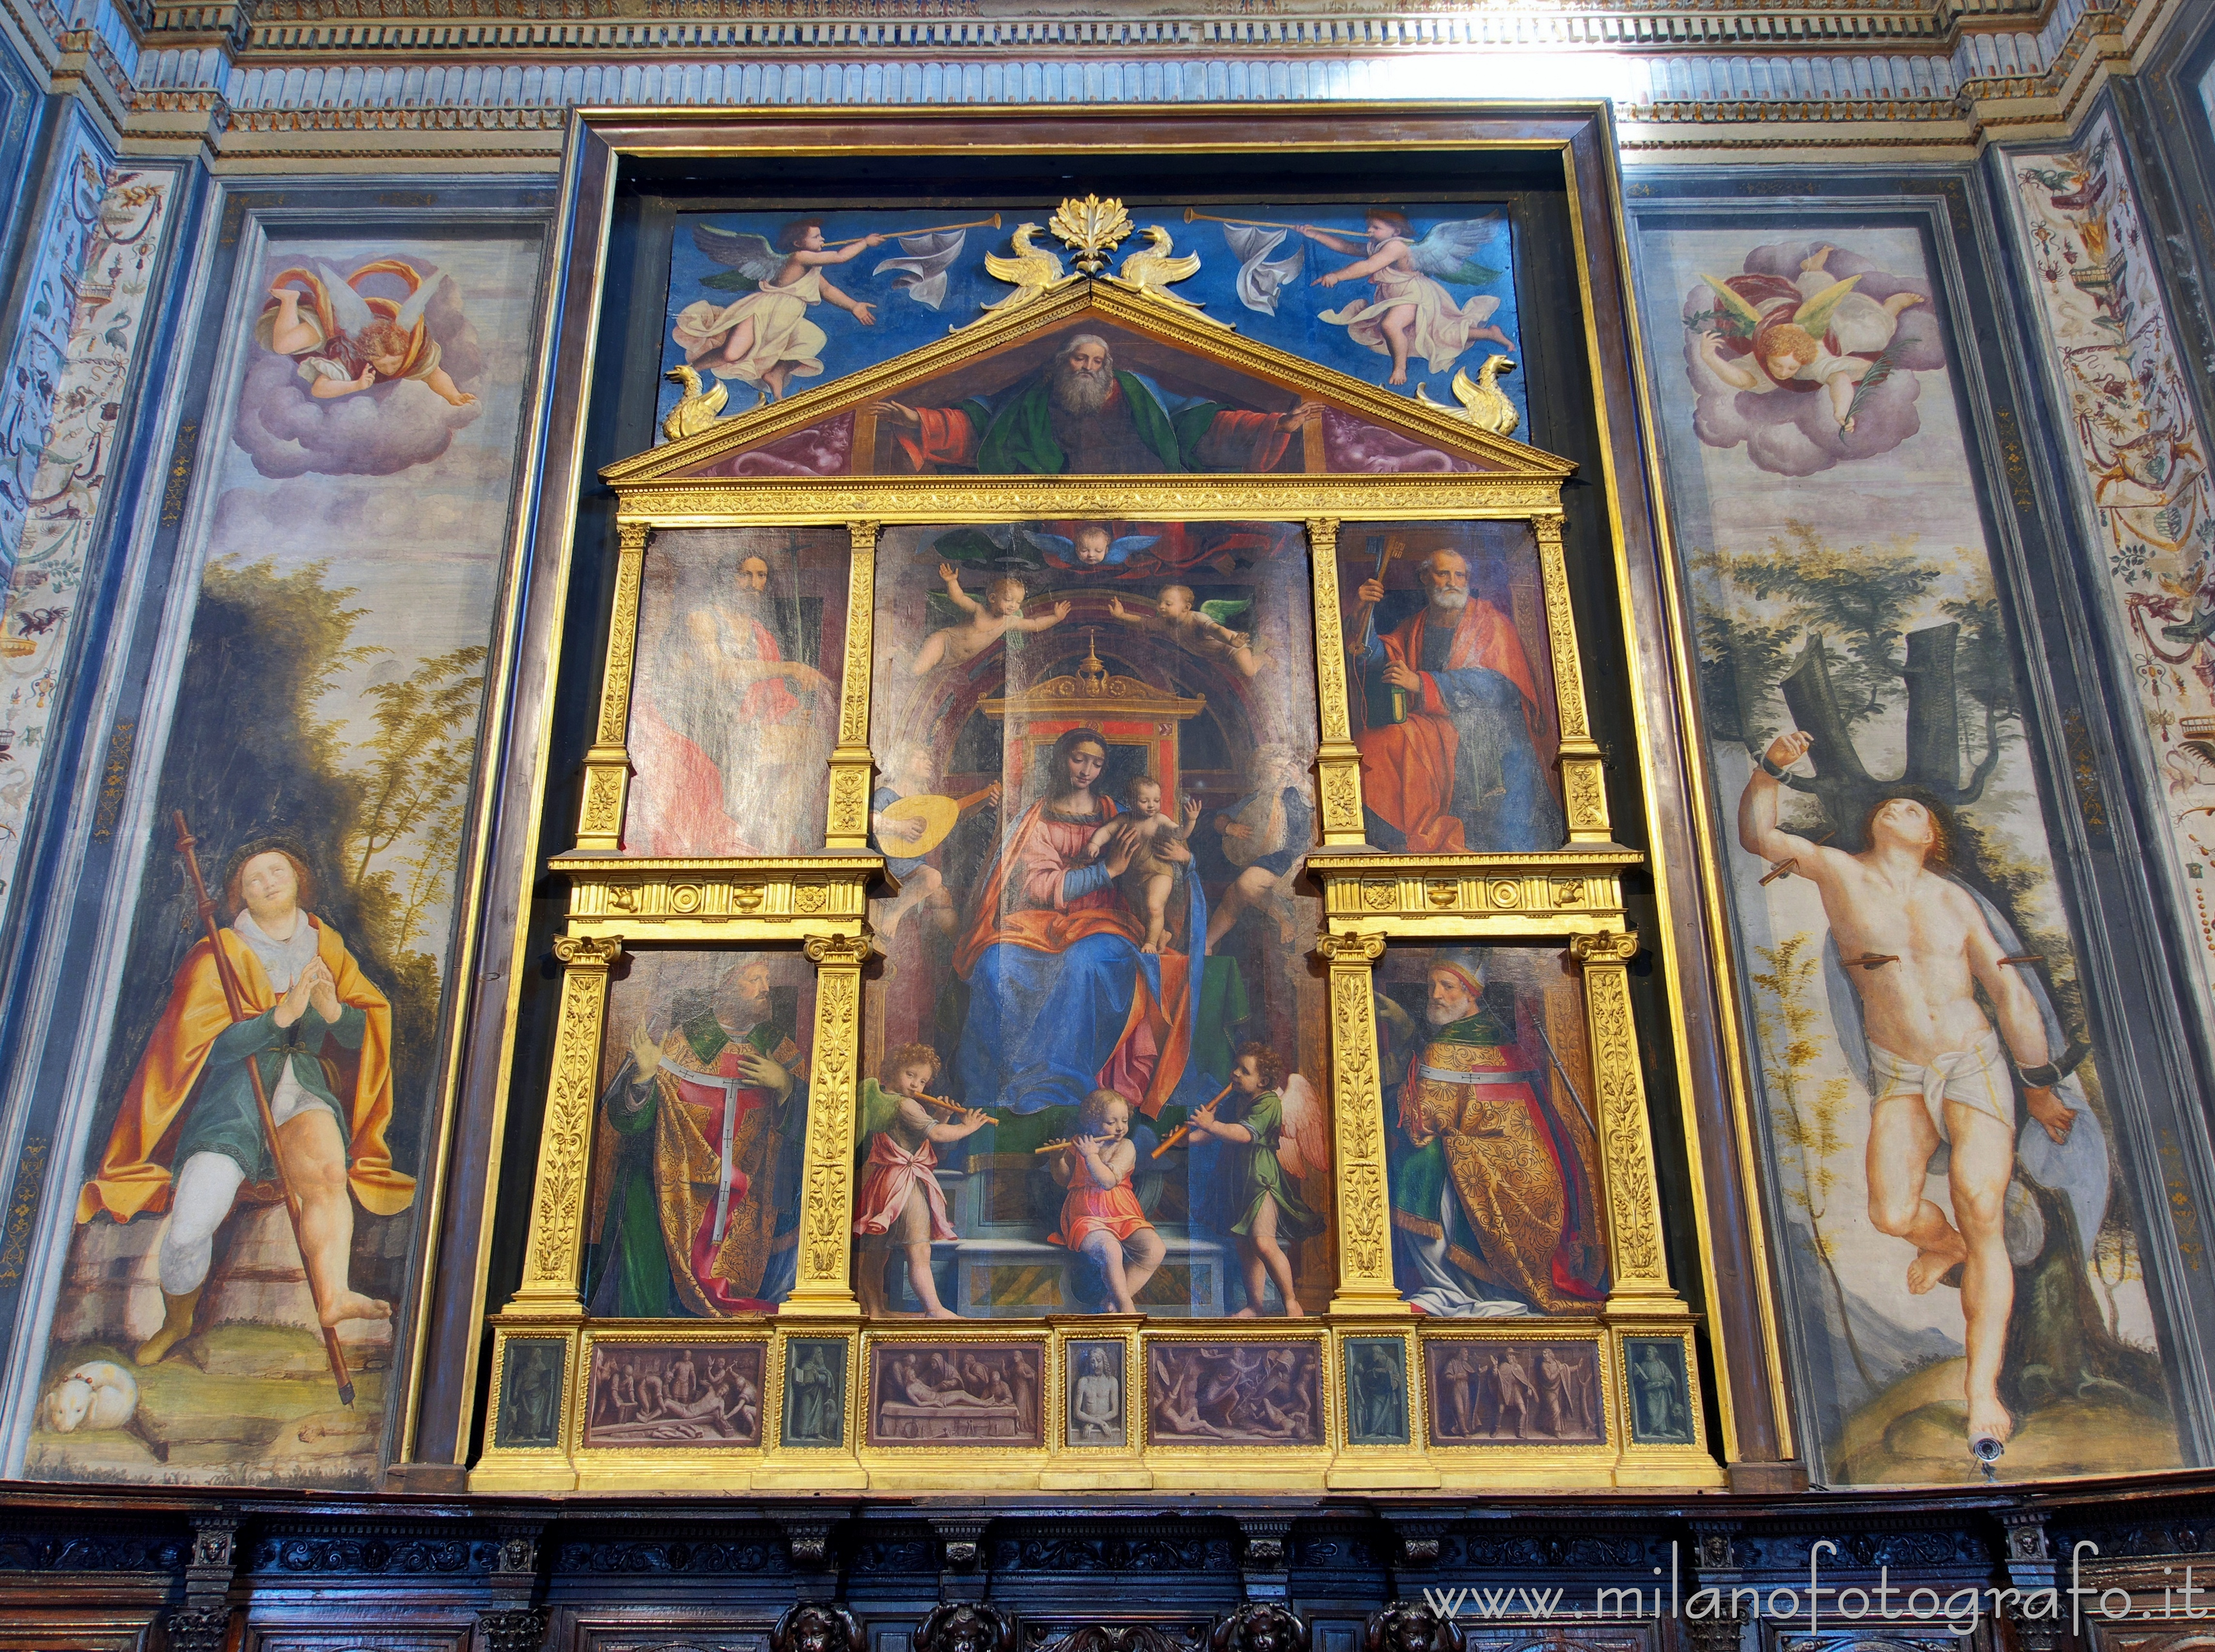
1573,895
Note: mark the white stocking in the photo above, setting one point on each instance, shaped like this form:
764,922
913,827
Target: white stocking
202,1197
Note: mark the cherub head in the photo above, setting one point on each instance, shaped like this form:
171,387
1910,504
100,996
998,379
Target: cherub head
1256,1068
965,1627
1260,1626
1410,1626
1901,821
909,1069
908,764
812,1626
1785,348
1106,1114
1176,602
1092,542
1383,224
802,235
1004,596
1143,795
384,346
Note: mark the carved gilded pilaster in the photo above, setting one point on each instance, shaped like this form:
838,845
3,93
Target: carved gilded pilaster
848,820
1364,1229
1584,787
824,1288
1639,1270
607,764
555,1250
1338,763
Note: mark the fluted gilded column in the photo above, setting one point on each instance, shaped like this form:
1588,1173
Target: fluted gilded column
607,764
1338,761
847,824
1365,1217
824,1285
554,1254
1639,1268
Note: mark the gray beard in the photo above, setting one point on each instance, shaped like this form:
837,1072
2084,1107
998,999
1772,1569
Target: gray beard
1451,601
1438,1017
1075,390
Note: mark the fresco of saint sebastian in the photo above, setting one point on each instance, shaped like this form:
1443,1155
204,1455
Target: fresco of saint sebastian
1917,946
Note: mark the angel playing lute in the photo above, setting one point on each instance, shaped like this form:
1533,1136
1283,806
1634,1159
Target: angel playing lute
345,340
1815,333
763,337
1280,1125
1413,315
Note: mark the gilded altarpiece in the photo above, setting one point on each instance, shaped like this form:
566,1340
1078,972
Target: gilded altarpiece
1204,925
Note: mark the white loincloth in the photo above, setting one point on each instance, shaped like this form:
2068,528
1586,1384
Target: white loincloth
1977,1078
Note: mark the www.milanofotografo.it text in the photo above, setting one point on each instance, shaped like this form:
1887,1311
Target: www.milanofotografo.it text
1814,1603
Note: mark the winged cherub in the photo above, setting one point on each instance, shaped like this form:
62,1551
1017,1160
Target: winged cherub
1197,627
1278,1133
345,340
1412,314
1816,332
763,337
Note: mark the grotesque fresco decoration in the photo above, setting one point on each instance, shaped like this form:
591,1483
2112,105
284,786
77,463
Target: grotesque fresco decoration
1964,1261
694,1203
1398,296
1493,1169
1447,655
282,1035
1094,1069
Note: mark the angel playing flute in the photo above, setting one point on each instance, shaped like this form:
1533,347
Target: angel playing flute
1412,314
1771,334
763,337
1277,1135
900,1203
345,340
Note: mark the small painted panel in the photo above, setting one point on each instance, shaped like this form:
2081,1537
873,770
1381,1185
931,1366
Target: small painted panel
1234,1393
531,1392
1506,1393
1450,671
1095,1406
956,1393
815,1391
675,1394
1661,1399
1376,1391
735,698
1093,741
1493,1172
694,1208
763,305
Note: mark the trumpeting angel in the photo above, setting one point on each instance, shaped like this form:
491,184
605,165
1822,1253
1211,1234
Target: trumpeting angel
345,340
763,337
1413,314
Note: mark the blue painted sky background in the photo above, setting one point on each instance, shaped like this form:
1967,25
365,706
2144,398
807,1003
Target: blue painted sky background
904,324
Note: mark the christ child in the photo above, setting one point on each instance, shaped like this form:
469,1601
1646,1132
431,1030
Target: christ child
900,1203
1157,850
1273,1215
1102,1216
1191,628
1000,612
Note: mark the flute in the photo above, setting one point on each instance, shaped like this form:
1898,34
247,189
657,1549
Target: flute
954,1108
1185,1129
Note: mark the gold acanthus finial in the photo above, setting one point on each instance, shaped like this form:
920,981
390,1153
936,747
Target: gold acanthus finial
695,409
1483,403
1091,228
1092,671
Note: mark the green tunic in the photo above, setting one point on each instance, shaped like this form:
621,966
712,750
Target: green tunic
1264,1120
225,1118
1020,436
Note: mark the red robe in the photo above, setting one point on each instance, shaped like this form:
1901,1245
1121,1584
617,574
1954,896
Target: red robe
1407,768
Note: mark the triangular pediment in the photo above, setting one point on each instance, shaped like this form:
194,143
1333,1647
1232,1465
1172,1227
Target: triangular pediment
843,428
